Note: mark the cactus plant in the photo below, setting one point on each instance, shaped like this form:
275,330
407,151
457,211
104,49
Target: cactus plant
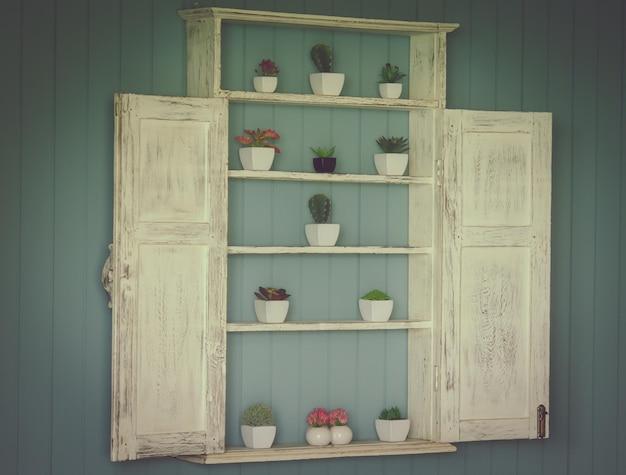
258,415
320,207
322,56
393,144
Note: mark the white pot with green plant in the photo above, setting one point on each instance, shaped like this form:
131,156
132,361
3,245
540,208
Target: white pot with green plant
266,79
258,151
321,233
257,427
375,306
394,159
325,82
271,305
390,86
391,427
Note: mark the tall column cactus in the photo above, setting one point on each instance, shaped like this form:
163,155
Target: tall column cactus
320,207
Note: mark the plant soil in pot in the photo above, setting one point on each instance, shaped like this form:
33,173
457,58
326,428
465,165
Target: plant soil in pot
257,427
325,82
321,233
340,433
394,159
390,427
266,79
257,152
390,86
317,432
324,160
271,305
375,306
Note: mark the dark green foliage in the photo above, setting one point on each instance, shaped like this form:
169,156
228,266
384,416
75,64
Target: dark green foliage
393,144
390,414
322,56
320,206
376,295
391,73
258,415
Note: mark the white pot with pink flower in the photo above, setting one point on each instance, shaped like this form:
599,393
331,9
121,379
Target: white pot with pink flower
266,78
258,151
340,433
317,432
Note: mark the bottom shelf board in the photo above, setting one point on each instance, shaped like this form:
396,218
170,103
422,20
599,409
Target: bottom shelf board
308,452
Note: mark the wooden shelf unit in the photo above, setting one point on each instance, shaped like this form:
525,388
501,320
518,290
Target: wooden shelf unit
328,177
327,250
339,325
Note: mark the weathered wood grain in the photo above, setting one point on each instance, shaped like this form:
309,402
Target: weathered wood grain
335,325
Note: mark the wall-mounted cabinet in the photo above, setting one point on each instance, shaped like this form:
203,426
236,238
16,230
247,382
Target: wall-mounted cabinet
476,257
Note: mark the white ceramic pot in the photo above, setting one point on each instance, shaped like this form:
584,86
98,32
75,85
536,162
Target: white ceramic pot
271,311
265,83
322,234
390,90
375,310
327,84
391,163
256,158
261,437
340,435
318,435
393,431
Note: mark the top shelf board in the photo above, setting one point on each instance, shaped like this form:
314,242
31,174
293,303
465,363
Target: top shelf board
395,27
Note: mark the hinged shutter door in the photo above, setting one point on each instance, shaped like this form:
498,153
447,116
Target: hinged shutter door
496,266
169,268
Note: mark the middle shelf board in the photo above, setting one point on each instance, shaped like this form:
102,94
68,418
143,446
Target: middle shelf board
327,250
328,177
337,325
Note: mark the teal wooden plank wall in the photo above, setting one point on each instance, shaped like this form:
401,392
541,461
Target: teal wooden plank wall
63,60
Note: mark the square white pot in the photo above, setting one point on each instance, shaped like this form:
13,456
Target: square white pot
393,431
375,310
265,83
261,437
271,311
326,84
390,90
391,163
256,158
322,234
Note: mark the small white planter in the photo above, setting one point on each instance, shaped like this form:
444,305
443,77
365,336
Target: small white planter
265,83
318,436
375,310
261,437
256,158
322,234
327,84
390,90
392,431
340,435
271,311
391,163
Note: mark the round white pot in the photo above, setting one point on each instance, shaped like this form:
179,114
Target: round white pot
391,163
261,437
393,431
322,234
375,310
340,435
318,435
390,90
256,158
271,311
265,83
327,84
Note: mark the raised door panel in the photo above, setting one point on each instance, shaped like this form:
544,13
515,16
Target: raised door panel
495,285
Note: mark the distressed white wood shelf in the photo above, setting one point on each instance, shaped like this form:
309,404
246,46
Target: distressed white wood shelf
338,325
302,452
327,250
328,177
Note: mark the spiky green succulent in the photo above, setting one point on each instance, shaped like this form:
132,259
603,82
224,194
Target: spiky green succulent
390,73
393,144
390,414
323,152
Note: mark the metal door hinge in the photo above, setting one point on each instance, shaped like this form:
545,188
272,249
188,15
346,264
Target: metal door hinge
541,421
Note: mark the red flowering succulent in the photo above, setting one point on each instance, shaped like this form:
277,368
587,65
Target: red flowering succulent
338,417
259,138
267,67
318,417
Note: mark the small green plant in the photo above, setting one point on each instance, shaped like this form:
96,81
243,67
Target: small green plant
393,144
390,414
320,207
322,56
323,152
376,295
390,73
257,415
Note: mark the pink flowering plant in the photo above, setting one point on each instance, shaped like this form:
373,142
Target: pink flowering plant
259,138
338,417
267,67
318,417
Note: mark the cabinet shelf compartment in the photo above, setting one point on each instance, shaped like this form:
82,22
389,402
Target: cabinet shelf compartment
329,325
328,177
327,250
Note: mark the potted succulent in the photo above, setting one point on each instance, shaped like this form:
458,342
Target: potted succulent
324,160
390,86
271,305
390,426
394,159
322,233
325,82
257,427
340,433
257,152
317,432
266,78
375,306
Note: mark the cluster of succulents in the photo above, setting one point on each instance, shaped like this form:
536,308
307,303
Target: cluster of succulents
259,138
320,417
271,293
376,295
390,414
